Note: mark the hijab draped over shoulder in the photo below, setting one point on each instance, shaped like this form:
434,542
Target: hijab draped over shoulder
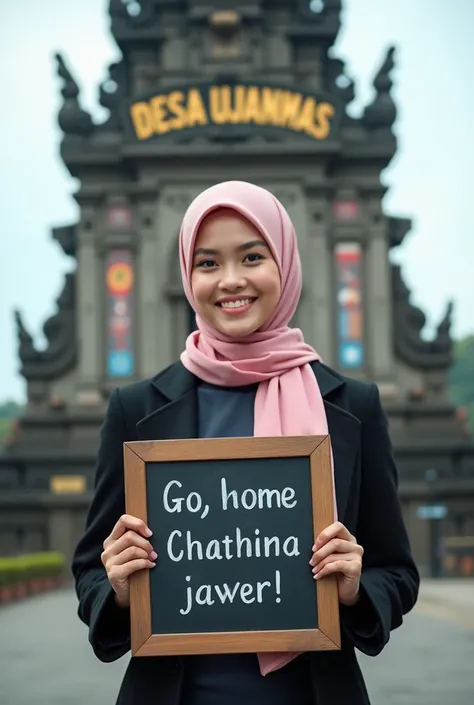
288,400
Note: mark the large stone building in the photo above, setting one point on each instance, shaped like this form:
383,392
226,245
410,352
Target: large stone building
208,91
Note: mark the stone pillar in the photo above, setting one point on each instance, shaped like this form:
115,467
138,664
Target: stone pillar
89,308
172,205
318,280
148,291
61,532
378,305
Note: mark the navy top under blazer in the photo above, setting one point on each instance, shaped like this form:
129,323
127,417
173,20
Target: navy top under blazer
233,679
166,407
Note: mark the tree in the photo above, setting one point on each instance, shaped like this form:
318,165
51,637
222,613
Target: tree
461,376
9,412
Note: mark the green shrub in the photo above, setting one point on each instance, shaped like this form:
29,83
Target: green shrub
48,564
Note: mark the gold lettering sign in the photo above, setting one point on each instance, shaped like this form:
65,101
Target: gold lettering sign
232,105
68,484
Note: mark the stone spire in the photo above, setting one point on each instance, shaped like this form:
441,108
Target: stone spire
72,119
60,354
381,113
409,321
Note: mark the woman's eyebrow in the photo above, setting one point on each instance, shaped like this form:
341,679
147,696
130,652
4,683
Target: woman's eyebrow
245,246
253,243
205,251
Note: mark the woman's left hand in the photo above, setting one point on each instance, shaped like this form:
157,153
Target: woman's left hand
337,551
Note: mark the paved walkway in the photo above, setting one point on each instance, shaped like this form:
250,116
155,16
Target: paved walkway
451,600
45,658
430,660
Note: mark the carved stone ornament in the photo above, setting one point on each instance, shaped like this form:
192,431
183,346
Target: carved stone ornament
72,119
409,321
382,112
60,355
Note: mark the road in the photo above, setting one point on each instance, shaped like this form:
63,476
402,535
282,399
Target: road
45,658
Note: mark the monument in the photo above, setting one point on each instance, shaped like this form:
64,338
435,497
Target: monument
208,91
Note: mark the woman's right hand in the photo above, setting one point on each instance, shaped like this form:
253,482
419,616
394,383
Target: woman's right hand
127,550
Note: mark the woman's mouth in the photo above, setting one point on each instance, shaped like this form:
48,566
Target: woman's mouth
236,307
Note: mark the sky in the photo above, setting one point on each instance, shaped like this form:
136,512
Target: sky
430,180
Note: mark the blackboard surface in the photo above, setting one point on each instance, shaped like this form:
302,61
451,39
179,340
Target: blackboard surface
233,521
249,562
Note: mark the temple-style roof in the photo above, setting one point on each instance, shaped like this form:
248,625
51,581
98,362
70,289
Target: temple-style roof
159,27
146,29
60,355
409,322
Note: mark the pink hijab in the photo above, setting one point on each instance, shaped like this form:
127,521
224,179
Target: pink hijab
288,400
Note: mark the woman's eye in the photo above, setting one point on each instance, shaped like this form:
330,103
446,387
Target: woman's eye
206,264
253,257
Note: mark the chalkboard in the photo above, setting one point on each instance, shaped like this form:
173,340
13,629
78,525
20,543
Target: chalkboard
233,524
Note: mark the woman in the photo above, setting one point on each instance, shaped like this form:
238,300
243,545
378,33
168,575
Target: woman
245,372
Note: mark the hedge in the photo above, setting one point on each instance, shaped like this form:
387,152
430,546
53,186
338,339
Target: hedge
48,564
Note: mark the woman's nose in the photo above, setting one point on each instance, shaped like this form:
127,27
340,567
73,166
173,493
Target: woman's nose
231,278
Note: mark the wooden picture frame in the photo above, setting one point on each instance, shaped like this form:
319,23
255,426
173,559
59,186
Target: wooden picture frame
326,633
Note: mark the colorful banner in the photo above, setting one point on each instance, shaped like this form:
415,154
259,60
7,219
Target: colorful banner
350,323
119,281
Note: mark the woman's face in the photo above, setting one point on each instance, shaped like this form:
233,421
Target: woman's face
235,280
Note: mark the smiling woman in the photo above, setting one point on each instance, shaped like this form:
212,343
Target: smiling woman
235,279
246,372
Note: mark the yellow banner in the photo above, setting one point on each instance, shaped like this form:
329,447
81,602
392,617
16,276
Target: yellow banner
232,105
68,484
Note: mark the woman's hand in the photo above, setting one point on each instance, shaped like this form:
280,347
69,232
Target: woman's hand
337,551
127,550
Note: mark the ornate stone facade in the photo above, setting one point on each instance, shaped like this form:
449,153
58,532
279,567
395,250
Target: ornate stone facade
245,91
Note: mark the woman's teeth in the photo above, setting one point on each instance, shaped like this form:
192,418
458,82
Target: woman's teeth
236,304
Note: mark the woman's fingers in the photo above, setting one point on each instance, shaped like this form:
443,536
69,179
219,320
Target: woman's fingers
129,540
125,523
336,546
331,532
351,568
118,573
130,554
127,550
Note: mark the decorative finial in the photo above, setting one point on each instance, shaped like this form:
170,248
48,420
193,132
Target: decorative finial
382,112
444,328
72,119
26,345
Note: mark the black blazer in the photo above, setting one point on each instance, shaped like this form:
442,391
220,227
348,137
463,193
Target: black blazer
366,492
